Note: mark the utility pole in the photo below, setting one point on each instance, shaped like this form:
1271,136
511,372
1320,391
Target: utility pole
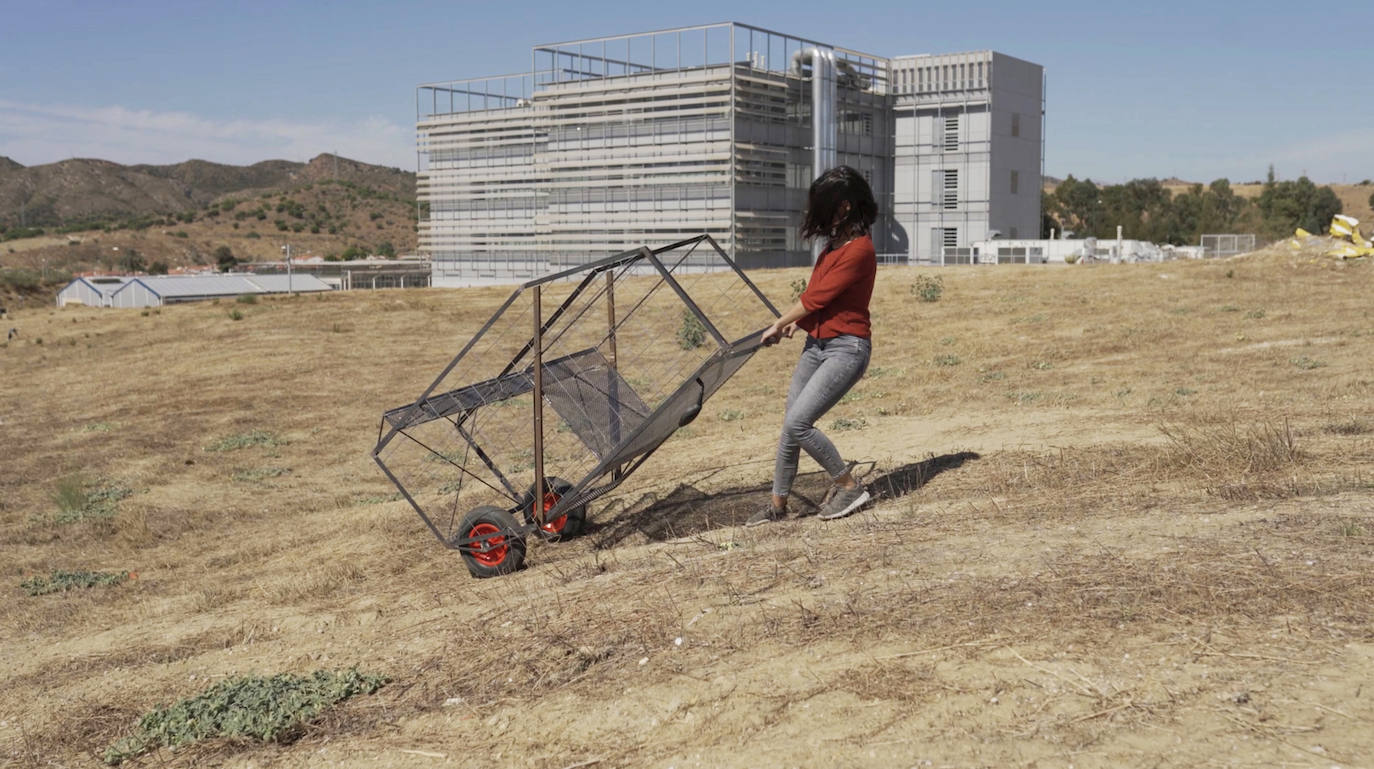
289,287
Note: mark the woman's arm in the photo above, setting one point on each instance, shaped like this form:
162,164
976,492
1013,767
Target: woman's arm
785,325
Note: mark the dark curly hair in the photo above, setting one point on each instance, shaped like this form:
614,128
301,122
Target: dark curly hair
825,215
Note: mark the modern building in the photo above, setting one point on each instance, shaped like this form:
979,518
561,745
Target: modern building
610,143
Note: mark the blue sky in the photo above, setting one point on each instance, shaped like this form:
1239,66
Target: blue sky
1196,90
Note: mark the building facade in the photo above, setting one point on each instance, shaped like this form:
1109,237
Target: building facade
610,143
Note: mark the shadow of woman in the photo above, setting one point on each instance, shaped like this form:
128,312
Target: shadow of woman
688,510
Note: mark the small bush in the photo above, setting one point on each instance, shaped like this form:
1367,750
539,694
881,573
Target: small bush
247,299
18,278
798,288
842,424
62,581
236,314
245,440
927,288
691,334
78,499
259,474
1352,426
1305,363
274,709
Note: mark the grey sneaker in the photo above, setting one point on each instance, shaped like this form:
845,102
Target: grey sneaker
843,502
766,514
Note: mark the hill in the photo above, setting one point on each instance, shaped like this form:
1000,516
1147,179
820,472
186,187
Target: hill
179,216
82,190
1126,520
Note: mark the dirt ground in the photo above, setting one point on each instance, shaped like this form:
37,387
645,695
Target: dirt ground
1125,518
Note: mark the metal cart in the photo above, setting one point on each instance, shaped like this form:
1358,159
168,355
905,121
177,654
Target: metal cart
624,351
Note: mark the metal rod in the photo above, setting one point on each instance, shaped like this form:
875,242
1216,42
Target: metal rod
612,377
538,410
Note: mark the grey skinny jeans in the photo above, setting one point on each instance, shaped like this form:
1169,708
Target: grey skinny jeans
826,371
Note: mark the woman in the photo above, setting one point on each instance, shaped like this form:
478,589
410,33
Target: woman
833,311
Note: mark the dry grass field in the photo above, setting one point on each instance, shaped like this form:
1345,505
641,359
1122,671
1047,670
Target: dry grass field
1126,518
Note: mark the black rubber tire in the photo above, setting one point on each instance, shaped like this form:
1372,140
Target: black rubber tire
573,523
507,545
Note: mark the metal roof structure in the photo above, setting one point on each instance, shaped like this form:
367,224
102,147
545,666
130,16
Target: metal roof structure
156,290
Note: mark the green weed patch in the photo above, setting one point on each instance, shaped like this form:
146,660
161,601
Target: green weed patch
62,581
78,499
274,709
244,440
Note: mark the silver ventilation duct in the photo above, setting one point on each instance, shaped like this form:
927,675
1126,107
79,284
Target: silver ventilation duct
823,124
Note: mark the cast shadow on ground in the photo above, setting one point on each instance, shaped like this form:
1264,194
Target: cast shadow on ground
687,510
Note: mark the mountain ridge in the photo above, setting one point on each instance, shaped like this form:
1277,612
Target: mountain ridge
80,190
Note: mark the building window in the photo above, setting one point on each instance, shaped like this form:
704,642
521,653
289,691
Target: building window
943,244
1016,124
951,133
945,188
1015,180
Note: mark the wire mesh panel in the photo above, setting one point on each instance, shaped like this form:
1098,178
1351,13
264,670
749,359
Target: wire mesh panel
583,373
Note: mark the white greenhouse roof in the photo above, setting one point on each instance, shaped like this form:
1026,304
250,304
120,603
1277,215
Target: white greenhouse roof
298,282
168,286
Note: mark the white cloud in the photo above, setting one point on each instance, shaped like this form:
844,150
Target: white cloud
44,133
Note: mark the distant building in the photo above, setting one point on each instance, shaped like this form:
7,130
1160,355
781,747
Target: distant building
157,290
610,143
369,273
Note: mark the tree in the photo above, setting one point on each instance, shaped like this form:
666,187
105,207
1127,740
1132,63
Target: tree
224,259
1287,205
1079,205
387,250
131,261
158,267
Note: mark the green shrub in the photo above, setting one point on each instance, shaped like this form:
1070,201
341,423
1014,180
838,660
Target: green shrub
247,299
691,334
259,474
236,314
928,289
798,287
245,440
62,581
20,279
842,424
264,709
79,499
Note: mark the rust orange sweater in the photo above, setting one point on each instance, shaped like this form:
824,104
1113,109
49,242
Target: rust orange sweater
837,295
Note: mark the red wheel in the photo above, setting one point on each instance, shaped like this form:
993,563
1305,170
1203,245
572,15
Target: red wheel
489,539
497,550
568,524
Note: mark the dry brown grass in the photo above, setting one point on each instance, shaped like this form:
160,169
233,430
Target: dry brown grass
1118,525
